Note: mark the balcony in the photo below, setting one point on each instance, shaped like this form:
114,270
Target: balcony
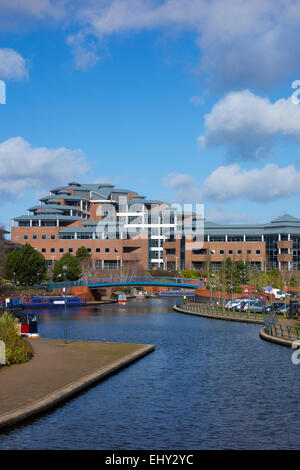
285,257
285,244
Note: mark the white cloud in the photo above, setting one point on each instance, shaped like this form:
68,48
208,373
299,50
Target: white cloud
197,100
260,185
246,124
231,182
242,44
221,215
12,65
13,10
178,181
102,180
84,53
24,168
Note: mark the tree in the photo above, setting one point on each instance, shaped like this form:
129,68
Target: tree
243,272
25,265
82,253
72,273
88,268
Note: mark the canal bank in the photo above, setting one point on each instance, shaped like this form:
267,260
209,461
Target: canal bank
284,332
190,309
58,371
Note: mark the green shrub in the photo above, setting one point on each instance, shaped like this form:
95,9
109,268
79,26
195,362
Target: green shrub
18,350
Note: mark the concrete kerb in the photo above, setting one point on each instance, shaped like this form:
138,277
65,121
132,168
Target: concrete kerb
67,391
275,339
219,317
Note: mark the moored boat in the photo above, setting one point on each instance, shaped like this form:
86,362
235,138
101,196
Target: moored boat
122,299
28,324
52,301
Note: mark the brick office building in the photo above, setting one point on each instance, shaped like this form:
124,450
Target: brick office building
113,224
119,226
274,245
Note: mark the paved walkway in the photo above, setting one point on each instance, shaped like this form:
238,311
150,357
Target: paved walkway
57,371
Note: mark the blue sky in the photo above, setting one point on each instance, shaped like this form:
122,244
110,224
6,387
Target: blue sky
167,98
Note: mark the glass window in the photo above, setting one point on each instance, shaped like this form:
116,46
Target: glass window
34,237
106,250
52,250
70,250
43,250
52,237
258,252
44,237
97,250
217,238
236,238
61,250
201,251
25,237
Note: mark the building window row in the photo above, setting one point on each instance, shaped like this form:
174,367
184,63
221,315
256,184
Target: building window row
204,251
35,237
71,250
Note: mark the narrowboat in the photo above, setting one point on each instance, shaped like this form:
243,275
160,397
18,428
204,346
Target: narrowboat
28,322
122,298
52,301
11,302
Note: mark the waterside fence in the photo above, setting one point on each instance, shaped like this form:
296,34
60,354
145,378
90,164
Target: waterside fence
271,324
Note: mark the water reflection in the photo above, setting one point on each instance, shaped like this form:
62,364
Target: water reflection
209,385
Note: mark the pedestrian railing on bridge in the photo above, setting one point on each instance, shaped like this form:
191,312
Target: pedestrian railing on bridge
142,280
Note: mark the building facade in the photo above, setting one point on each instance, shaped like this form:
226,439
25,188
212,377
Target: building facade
119,226
274,245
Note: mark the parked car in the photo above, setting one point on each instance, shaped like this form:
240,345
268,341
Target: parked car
276,306
253,307
291,293
278,294
241,305
285,309
235,303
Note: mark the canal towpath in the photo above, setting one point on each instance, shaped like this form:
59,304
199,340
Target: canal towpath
57,371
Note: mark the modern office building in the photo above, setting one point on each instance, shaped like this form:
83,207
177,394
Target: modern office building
119,226
274,245
115,225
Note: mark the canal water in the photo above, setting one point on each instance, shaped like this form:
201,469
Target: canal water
209,384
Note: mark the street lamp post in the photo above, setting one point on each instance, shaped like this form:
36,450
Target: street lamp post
65,268
213,290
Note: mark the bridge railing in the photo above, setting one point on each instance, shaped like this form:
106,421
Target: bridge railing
134,279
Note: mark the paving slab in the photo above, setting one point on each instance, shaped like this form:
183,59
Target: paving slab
57,371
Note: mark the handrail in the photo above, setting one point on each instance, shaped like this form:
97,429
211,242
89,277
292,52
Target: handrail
129,279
